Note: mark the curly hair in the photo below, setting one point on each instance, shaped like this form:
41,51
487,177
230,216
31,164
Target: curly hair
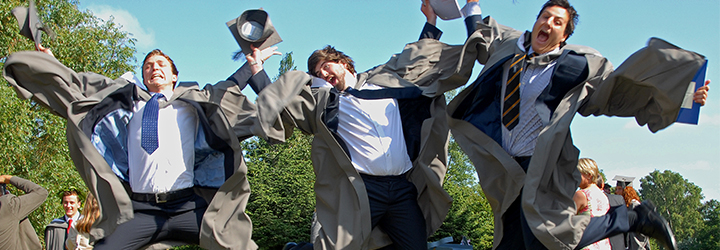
629,194
329,54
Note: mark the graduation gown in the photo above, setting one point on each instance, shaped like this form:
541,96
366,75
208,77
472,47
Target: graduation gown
650,86
343,212
98,109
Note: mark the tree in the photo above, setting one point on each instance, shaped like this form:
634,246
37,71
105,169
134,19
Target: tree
707,237
677,199
470,214
32,138
281,176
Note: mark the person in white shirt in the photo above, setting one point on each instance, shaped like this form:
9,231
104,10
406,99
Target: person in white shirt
56,231
158,156
380,143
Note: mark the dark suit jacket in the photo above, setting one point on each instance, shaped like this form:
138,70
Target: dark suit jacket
617,242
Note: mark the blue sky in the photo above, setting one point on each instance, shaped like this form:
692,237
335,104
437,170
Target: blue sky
194,34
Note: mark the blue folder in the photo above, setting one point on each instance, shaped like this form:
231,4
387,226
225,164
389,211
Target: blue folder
689,113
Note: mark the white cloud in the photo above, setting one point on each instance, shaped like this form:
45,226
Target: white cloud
713,119
698,165
145,37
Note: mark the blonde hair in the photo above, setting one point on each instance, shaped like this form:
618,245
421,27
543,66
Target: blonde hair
90,213
588,166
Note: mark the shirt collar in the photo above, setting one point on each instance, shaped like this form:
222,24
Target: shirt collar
74,218
521,41
318,82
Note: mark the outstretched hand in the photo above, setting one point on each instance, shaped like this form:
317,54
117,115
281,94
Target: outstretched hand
702,93
258,57
429,12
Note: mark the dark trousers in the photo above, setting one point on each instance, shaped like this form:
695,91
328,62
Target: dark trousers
517,233
394,208
177,220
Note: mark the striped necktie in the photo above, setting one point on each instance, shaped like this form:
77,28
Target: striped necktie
511,103
149,137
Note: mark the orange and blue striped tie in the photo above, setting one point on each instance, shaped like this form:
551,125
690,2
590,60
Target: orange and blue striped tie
511,103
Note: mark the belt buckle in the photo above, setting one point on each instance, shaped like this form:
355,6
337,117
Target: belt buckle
158,199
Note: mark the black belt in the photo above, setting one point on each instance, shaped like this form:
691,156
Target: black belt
163,197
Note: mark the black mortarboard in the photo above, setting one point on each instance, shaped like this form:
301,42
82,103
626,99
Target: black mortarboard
30,24
623,181
253,27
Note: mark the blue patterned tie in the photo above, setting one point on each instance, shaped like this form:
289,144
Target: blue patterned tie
149,139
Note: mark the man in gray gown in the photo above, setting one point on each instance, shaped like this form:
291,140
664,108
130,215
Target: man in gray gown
514,123
177,175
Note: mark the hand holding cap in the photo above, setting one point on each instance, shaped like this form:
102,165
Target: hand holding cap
30,24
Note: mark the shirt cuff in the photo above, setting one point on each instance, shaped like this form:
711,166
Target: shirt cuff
471,9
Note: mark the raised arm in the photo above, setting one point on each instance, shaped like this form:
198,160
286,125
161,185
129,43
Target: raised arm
252,72
473,16
23,205
429,30
38,75
650,85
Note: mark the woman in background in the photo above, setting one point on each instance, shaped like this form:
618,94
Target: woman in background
634,241
590,199
79,234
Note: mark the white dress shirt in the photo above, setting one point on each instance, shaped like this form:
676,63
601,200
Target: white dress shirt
170,167
372,131
533,80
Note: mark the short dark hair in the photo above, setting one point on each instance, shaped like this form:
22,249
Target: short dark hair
70,192
158,52
330,54
572,14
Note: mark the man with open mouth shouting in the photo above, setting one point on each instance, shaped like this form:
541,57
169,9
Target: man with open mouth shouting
514,123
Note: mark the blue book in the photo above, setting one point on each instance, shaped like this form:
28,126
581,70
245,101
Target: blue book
690,110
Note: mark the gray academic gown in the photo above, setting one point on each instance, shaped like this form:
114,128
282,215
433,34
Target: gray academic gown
16,232
56,233
650,86
342,207
230,116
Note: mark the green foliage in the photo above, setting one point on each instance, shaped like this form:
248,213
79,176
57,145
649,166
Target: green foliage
33,140
470,214
281,176
677,199
282,201
707,237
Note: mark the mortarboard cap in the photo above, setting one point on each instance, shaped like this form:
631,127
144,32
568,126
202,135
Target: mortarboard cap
446,9
253,27
30,24
623,181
